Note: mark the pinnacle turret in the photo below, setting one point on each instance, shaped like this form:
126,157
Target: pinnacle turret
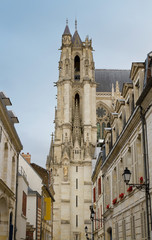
66,30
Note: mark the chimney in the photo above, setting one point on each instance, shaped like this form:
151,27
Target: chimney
27,157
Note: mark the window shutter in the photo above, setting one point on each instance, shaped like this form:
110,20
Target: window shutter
99,186
24,200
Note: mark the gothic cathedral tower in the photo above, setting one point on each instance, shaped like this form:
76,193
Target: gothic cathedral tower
72,149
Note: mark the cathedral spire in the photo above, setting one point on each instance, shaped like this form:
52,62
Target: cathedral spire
76,40
66,30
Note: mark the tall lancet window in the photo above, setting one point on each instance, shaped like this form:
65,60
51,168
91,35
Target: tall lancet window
77,68
76,120
77,100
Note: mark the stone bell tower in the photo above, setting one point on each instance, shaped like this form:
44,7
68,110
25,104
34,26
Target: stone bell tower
72,146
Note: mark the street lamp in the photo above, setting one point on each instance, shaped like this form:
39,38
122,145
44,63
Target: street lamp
127,175
92,215
86,233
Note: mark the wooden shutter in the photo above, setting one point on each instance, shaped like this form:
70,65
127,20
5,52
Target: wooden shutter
24,200
99,186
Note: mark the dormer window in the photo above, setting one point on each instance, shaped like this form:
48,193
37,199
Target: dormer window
77,68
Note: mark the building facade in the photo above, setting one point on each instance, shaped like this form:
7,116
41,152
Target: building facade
10,147
29,211
46,203
127,144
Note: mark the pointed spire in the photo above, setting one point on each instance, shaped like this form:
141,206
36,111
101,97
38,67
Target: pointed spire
51,153
66,30
76,40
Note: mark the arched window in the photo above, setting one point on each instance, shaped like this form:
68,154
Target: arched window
77,99
98,131
77,68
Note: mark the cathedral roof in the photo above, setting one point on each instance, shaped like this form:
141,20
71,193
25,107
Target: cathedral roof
106,77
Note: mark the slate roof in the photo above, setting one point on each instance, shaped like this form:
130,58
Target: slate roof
66,31
105,77
76,37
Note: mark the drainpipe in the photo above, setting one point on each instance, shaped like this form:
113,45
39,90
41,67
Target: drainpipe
16,196
36,213
103,205
146,171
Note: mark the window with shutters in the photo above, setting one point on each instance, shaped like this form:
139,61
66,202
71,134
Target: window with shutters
24,201
99,186
133,232
124,229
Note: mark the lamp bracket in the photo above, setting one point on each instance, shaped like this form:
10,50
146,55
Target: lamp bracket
139,186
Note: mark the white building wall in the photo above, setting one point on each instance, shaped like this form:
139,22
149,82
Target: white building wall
21,220
34,180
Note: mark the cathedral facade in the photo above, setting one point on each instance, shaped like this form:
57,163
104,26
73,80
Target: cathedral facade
70,157
85,100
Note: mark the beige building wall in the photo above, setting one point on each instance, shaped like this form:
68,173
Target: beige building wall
124,207
10,146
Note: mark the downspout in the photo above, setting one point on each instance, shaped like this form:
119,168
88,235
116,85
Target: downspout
36,213
145,170
16,196
103,206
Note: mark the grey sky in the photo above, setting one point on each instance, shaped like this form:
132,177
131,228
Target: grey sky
31,32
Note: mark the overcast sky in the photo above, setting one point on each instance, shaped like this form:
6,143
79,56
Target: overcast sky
30,36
